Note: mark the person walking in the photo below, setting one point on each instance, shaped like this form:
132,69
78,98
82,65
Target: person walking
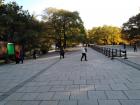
84,55
17,57
21,56
34,54
124,46
62,53
135,47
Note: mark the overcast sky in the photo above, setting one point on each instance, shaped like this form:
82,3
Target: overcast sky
93,12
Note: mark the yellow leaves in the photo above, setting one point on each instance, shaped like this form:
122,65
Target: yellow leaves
105,35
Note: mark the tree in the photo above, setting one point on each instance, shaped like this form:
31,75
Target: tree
131,28
64,25
18,26
13,20
105,35
1,2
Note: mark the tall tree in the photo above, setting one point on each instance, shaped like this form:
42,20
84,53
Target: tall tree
13,19
18,26
131,28
105,35
1,2
64,24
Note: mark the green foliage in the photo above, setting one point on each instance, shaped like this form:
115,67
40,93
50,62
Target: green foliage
18,26
65,26
131,29
13,21
1,2
59,27
105,35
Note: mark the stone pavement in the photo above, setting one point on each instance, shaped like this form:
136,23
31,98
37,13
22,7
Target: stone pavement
98,81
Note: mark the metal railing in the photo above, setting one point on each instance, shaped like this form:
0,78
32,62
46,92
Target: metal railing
110,52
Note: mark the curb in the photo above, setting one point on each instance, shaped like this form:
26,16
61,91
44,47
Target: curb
129,63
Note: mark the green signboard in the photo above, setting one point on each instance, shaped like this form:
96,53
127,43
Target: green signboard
10,49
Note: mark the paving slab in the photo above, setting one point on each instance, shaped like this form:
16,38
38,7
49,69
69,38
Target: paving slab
87,87
133,86
29,96
130,102
78,95
109,102
115,95
96,95
133,94
14,103
45,96
3,102
61,96
49,103
31,103
118,86
87,102
102,87
67,103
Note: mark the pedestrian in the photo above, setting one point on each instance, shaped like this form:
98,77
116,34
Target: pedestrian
124,46
135,47
62,53
17,57
21,55
34,54
84,55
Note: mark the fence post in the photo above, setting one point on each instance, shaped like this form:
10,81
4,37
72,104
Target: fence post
106,52
112,57
109,53
103,50
116,52
120,53
125,55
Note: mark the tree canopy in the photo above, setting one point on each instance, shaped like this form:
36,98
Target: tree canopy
65,26
1,2
105,35
131,28
59,27
18,26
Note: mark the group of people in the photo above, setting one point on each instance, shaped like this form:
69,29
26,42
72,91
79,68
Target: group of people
19,55
62,53
134,47
83,50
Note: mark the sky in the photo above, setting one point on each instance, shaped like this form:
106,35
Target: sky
94,13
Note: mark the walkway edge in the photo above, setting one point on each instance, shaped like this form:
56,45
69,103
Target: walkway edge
130,63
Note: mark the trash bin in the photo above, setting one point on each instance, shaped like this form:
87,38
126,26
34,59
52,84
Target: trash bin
10,49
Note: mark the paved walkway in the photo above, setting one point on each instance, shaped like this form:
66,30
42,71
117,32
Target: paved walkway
98,81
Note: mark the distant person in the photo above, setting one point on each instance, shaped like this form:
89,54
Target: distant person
124,46
62,53
17,57
34,54
84,55
21,56
135,47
